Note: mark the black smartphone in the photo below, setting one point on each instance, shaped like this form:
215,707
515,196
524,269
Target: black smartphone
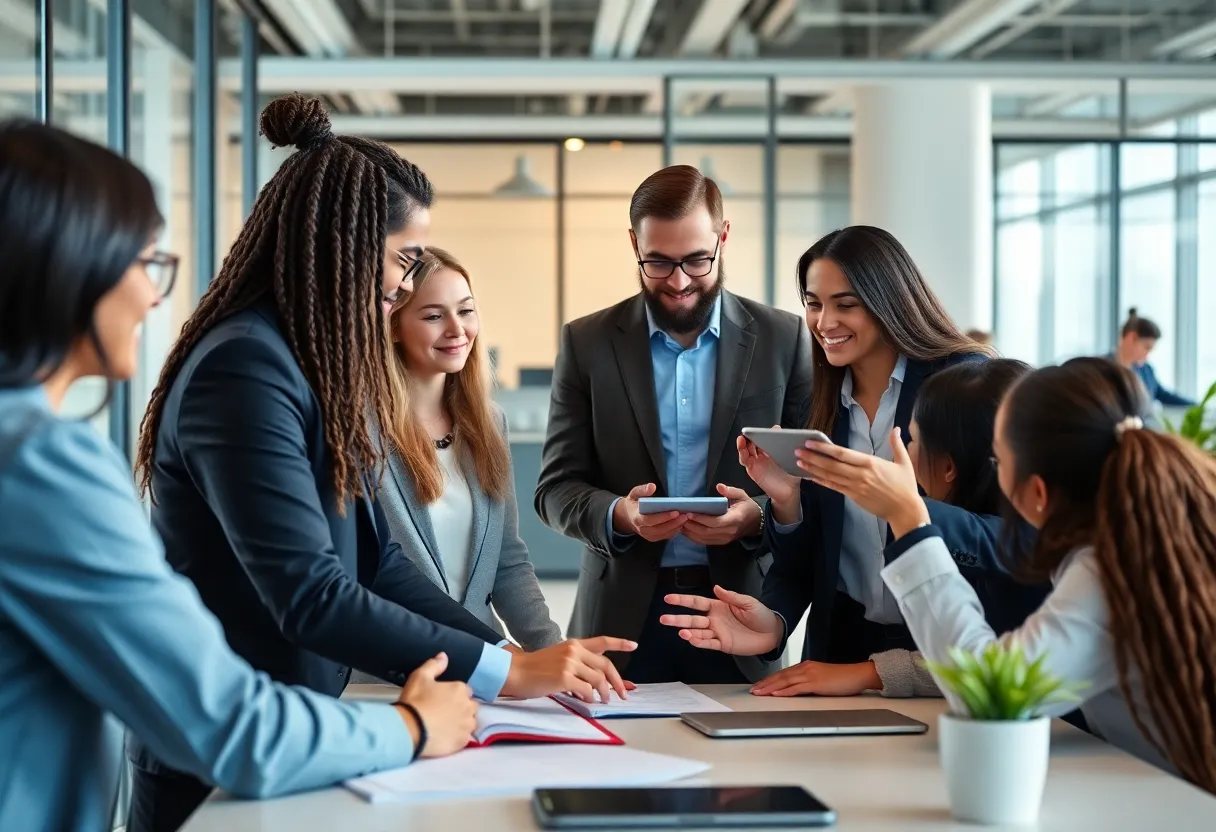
682,806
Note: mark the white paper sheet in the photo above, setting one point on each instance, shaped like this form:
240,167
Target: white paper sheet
518,769
666,699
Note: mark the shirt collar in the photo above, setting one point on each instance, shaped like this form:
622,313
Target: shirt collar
714,327
897,375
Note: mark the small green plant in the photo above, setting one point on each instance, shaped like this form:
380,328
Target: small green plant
999,684
1192,429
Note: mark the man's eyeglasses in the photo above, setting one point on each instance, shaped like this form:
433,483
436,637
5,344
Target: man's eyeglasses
410,260
691,266
161,268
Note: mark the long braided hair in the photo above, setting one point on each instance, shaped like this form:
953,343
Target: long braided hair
315,242
1146,503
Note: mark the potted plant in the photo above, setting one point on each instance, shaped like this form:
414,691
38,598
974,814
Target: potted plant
1192,427
994,752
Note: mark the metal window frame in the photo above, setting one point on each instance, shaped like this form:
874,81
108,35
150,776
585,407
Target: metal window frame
118,135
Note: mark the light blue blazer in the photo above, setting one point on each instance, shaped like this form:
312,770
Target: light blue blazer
501,578
96,629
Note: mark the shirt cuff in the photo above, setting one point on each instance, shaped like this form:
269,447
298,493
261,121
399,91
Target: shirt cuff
785,528
923,561
394,747
616,540
491,673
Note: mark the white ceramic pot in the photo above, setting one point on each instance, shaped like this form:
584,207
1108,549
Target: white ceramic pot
995,771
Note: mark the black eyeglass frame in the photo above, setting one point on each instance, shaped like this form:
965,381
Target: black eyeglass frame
682,265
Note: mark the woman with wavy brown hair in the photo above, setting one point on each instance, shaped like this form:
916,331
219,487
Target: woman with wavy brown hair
1126,521
449,495
261,449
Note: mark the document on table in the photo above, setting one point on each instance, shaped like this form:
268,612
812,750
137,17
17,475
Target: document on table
665,699
518,769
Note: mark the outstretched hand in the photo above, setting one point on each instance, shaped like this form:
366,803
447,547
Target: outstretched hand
733,623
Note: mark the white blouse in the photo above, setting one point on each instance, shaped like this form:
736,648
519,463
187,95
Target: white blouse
452,520
1071,627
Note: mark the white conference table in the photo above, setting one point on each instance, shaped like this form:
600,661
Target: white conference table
874,783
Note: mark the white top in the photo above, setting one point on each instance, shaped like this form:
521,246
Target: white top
1091,786
863,537
452,520
942,609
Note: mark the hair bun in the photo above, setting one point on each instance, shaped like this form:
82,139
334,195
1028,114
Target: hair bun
1131,312
295,120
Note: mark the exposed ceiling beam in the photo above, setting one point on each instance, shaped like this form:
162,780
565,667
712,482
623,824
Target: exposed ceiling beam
460,19
775,19
963,26
1197,44
608,24
1050,10
634,29
710,26
324,31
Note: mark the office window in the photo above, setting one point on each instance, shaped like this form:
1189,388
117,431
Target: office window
1019,289
1148,249
1080,275
813,185
1206,307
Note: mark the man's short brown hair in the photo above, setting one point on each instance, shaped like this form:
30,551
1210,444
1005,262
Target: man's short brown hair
673,193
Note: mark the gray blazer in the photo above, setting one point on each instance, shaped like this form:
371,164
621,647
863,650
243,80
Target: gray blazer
501,578
604,438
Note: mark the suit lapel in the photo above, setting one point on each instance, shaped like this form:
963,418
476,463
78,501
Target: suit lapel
632,346
915,373
419,516
735,347
481,513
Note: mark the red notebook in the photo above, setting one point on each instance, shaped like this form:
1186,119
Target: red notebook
537,720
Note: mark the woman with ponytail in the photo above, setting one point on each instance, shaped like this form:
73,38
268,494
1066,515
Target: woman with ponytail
1126,521
1137,339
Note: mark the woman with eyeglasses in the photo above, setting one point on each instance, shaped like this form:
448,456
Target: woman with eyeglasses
267,435
93,623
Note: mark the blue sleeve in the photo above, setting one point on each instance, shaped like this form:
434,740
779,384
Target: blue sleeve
972,539
84,578
243,441
491,672
615,539
789,584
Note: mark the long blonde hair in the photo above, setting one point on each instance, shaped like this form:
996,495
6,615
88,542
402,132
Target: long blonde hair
478,439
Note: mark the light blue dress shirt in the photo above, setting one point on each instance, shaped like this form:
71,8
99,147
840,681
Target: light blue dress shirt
863,536
96,629
684,382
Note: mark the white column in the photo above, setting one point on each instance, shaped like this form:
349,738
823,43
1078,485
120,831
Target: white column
922,169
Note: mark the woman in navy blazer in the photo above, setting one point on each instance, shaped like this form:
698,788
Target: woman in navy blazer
879,333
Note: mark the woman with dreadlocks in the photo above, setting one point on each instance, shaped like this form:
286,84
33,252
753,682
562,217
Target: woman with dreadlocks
1126,521
270,421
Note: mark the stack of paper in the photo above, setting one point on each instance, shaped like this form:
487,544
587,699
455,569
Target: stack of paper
667,699
511,770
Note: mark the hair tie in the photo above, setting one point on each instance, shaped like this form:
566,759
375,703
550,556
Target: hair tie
1126,424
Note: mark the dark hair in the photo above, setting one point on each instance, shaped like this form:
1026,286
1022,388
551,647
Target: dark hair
74,217
955,413
673,193
890,286
315,243
1142,327
1146,502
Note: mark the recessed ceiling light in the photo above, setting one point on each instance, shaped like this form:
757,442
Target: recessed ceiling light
574,144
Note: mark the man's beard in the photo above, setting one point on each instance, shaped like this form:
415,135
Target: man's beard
683,322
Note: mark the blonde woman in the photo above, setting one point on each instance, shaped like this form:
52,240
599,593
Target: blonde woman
449,493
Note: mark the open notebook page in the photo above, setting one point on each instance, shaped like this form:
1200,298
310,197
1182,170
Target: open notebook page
535,718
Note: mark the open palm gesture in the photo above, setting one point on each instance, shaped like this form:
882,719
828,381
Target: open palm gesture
732,623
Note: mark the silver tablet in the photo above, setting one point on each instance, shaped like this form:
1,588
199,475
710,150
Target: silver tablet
803,723
781,443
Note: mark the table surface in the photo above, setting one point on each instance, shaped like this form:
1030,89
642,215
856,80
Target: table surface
873,783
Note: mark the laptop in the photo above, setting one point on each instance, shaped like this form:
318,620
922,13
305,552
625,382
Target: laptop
803,723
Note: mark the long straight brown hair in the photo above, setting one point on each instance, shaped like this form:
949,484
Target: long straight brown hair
1146,503
892,289
478,439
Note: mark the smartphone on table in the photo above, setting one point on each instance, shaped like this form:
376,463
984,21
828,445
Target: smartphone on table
632,808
